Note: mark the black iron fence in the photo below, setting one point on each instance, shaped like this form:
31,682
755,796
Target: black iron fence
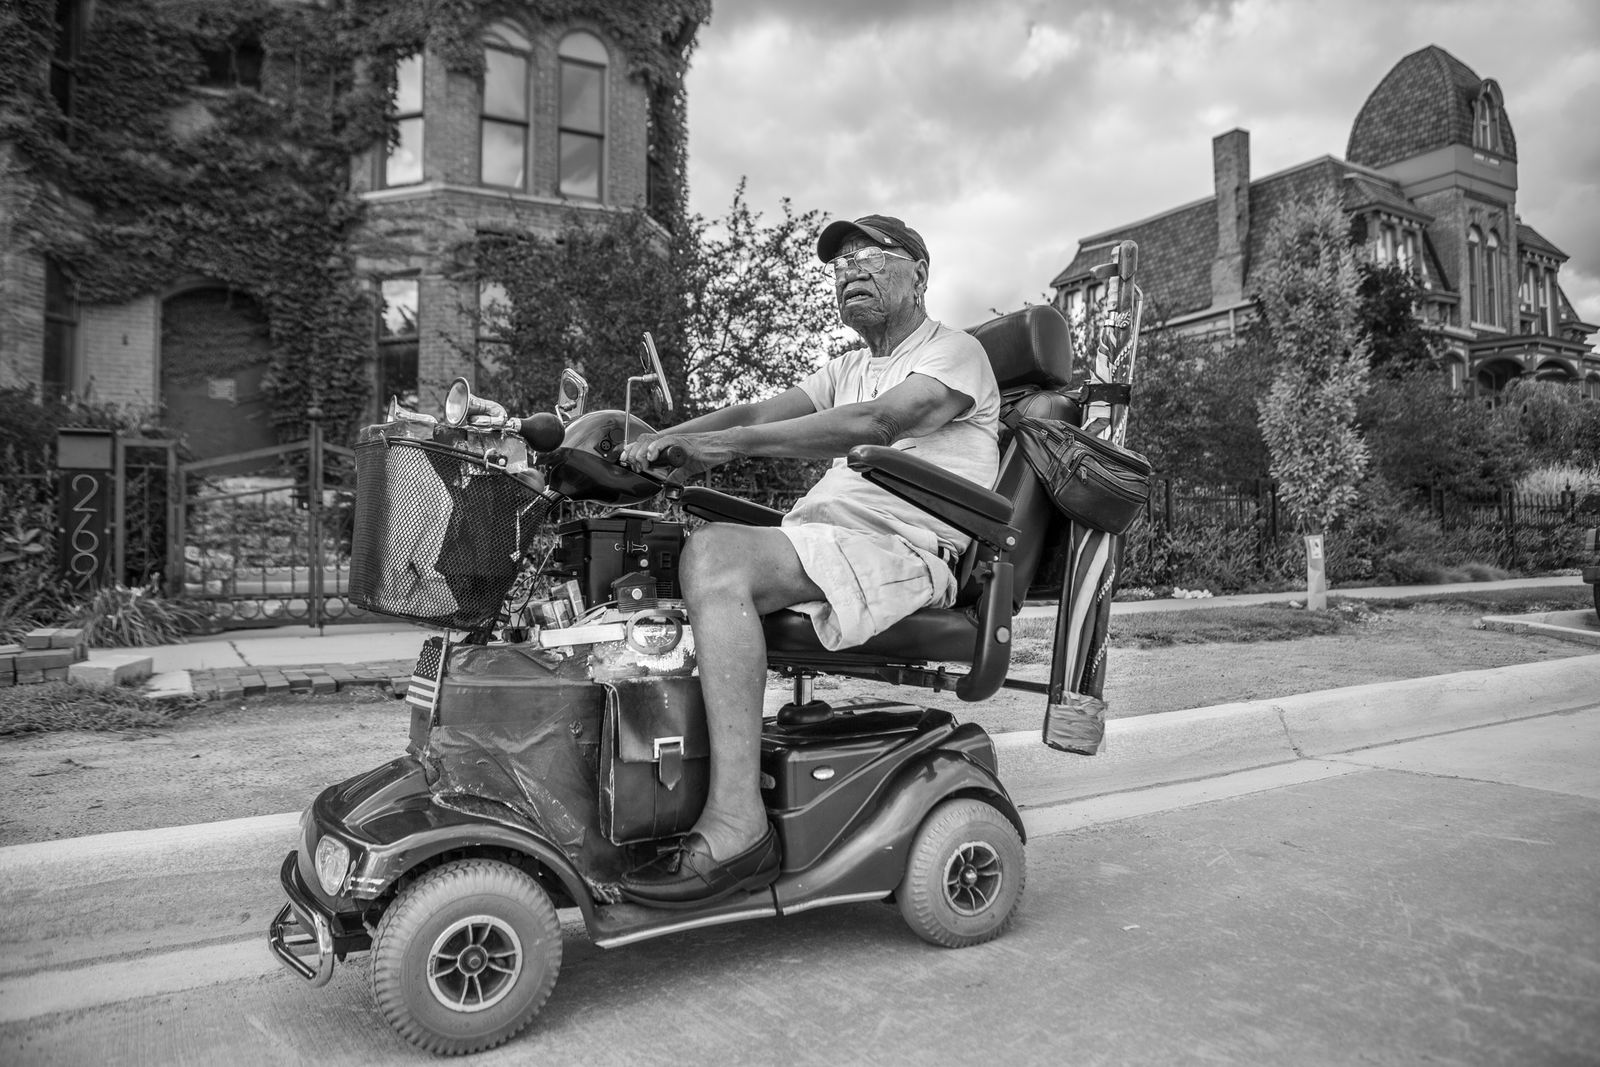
1236,536
263,537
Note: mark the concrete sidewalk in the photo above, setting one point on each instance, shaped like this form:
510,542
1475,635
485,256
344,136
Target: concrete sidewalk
390,648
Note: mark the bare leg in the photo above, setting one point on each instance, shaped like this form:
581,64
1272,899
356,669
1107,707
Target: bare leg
732,575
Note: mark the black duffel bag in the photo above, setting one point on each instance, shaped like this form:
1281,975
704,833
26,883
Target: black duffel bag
1093,482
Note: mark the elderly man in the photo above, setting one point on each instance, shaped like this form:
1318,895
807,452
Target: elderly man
853,557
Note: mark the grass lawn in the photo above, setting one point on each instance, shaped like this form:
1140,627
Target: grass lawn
34,709
1281,622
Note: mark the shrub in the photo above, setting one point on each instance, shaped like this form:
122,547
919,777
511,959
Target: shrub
1422,437
119,617
1552,479
1552,420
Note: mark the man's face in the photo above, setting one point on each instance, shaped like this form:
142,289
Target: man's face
868,300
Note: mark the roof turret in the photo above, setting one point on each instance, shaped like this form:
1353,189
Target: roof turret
1430,99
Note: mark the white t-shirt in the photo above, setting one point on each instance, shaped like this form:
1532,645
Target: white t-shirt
967,445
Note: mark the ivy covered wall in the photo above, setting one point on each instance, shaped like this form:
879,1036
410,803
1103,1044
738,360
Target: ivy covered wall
163,175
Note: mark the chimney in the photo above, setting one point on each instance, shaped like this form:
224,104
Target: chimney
1230,164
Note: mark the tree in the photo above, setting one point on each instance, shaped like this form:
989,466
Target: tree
1553,422
1424,436
1309,307
1195,412
759,308
739,308
1396,339
583,299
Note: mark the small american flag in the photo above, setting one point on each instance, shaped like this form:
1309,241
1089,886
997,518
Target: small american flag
423,692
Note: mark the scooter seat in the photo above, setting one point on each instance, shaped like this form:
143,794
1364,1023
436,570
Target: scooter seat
930,635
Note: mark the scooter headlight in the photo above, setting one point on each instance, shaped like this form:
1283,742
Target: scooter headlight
333,863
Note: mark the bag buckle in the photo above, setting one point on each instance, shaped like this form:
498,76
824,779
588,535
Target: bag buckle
669,760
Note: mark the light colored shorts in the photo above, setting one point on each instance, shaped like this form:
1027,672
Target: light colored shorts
872,581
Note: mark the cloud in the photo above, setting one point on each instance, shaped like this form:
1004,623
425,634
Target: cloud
1005,130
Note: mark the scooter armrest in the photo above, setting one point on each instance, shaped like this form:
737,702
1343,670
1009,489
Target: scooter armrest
978,512
716,506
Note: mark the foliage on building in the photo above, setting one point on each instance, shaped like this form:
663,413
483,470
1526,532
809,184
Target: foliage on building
155,143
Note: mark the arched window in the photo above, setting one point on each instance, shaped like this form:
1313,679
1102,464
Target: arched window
503,123
1474,274
583,116
1491,279
403,164
1486,118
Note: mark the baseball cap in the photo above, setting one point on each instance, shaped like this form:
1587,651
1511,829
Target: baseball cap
884,230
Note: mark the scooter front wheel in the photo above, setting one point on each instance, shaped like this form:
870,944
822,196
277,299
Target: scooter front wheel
466,956
964,876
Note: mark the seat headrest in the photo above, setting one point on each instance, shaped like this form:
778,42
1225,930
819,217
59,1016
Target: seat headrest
1028,347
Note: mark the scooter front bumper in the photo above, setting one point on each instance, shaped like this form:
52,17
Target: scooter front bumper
302,936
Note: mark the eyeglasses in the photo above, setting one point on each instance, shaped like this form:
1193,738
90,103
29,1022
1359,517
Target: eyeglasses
870,259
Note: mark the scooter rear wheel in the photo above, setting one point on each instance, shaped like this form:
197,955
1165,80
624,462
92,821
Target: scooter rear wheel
964,876
466,956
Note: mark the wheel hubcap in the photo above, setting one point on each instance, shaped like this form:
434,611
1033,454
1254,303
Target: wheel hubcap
972,878
474,963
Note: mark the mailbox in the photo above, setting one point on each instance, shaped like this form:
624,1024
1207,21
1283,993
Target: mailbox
86,463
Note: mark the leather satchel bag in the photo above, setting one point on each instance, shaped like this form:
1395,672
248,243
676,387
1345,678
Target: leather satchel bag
1093,482
655,758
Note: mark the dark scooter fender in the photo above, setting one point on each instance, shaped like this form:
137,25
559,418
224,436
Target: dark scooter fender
394,824
870,860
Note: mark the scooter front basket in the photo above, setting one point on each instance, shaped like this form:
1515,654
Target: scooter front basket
440,534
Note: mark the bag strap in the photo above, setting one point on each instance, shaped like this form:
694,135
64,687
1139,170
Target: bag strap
1105,393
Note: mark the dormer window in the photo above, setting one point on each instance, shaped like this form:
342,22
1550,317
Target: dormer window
1486,118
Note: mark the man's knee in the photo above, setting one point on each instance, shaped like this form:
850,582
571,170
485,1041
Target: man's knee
727,560
713,562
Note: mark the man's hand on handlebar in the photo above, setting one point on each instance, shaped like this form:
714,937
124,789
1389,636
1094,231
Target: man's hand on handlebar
690,453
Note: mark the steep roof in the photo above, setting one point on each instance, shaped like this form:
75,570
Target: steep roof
1425,102
1530,238
1176,248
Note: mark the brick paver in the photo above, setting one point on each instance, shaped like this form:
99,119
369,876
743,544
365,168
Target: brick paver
230,683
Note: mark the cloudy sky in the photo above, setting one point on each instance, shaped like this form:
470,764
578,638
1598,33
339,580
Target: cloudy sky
1005,130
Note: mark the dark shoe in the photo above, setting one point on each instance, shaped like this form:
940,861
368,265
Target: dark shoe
690,877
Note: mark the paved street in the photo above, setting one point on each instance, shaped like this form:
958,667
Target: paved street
1432,900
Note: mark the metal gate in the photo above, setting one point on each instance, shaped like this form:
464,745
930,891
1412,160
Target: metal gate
264,535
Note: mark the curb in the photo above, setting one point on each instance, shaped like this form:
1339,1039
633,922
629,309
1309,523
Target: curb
1179,746
1149,750
1581,626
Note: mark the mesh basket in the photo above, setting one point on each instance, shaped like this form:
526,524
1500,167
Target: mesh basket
439,535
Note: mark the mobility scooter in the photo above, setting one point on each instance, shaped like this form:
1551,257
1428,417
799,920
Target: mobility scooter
558,735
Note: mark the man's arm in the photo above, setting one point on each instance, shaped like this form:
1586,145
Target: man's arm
915,407
792,403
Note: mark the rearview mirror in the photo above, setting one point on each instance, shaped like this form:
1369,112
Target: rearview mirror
571,395
653,371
